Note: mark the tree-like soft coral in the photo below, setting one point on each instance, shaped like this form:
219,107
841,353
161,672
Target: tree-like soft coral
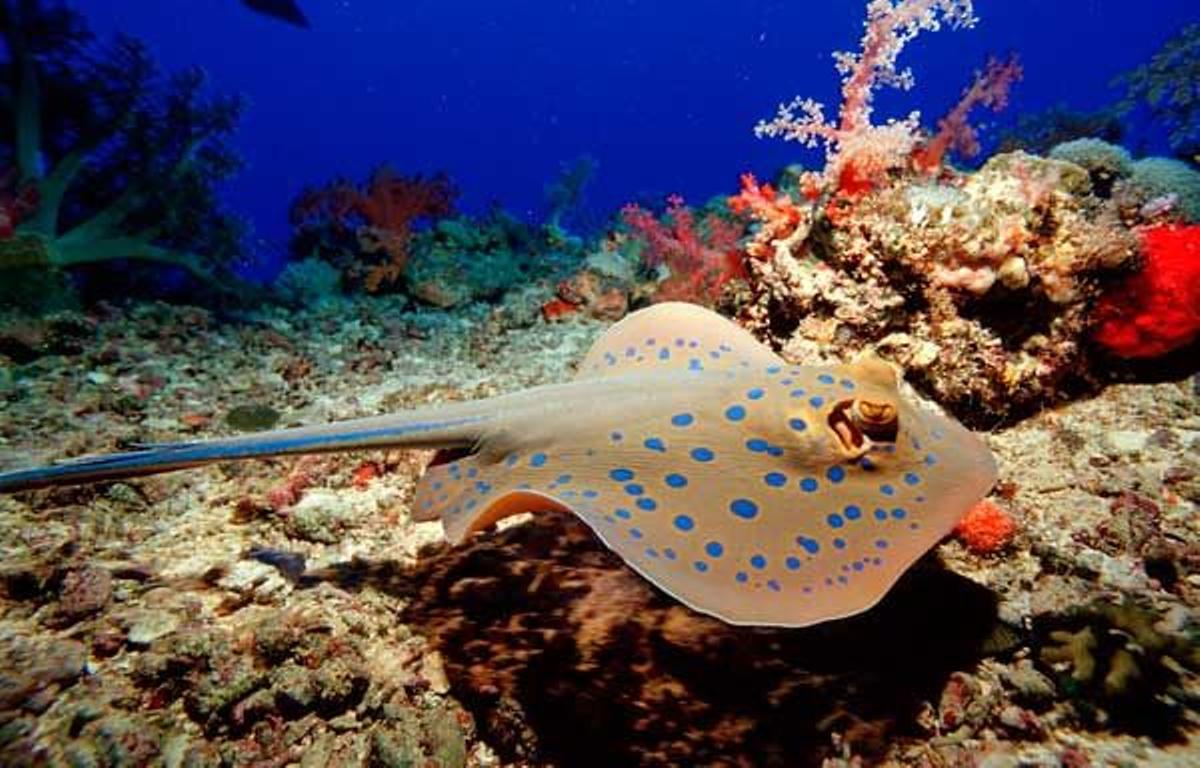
859,153
124,161
367,231
782,221
989,89
1156,310
700,256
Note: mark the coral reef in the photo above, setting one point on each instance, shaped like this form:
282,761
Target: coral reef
121,161
979,283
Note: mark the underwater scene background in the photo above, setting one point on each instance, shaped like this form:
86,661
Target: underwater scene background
220,219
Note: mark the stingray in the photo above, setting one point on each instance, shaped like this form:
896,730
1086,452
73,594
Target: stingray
753,490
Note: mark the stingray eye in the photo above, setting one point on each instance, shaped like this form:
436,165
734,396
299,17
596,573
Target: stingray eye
878,421
860,423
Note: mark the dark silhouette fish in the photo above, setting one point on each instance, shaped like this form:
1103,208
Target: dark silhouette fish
284,10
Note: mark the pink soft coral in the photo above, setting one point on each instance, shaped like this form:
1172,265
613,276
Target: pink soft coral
702,257
860,153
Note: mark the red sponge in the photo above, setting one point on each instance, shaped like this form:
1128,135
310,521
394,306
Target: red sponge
1156,310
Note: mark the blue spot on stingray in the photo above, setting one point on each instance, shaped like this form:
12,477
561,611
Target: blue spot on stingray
773,585
633,489
621,474
624,514
839,543
887,490
735,413
880,514
682,419
511,460
843,580
702,454
669,553
847,384
664,354
655,444
609,519
835,520
899,513
700,566
679,342
715,355
676,480
650,342
694,364
866,463
808,484
759,562
912,478
773,369
630,351
816,401
792,563
786,382
835,474
608,358
693,344
852,512
798,424
881,543
524,487
590,494
756,393
714,549
825,378
646,503
797,393
616,437
810,545
857,565
774,450
757,445
537,459
930,460
437,486
742,577
472,472
651,552
775,479
744,508
470,504
684,523
635,533
564,479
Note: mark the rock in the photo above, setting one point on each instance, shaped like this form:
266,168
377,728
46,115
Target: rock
147,626
1125,442
252,418
85,591
322,516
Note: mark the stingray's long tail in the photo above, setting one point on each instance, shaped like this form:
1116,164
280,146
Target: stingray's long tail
449,426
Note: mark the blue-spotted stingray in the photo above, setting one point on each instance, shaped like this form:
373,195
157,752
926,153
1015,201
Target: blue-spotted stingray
753,490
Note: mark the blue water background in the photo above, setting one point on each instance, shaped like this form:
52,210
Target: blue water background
663,93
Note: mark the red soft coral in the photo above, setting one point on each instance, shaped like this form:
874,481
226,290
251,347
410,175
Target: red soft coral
1157,310
381,216
702,257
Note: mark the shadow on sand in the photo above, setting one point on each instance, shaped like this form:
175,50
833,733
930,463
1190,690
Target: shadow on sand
567,657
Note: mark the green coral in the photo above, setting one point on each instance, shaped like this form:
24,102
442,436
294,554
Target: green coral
1157,177
1104,162
1120,667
